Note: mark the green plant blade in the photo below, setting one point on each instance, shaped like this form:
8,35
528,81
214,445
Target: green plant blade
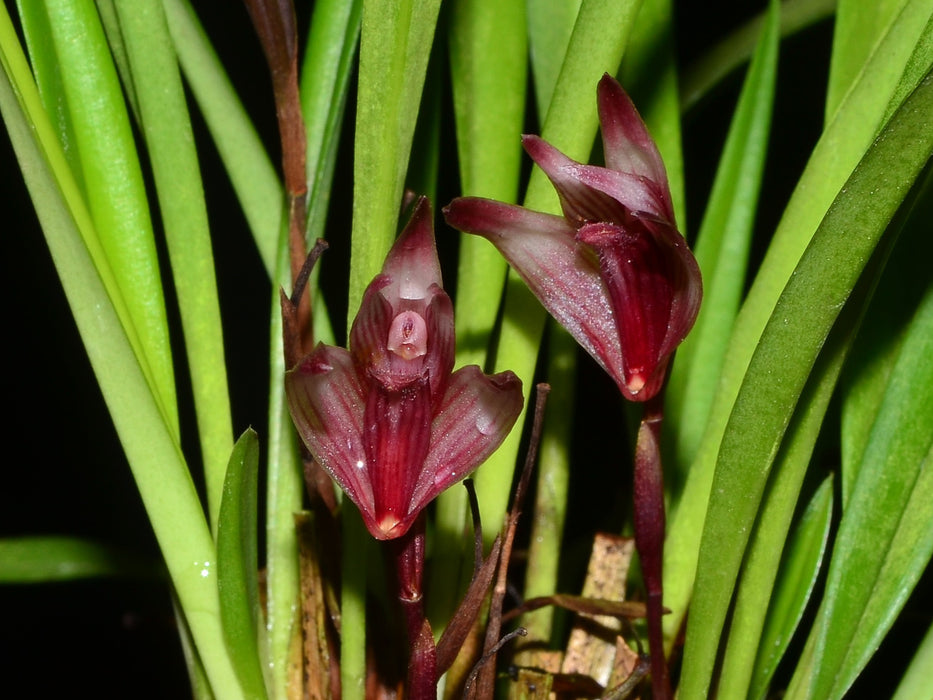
238,563
722,250
488,79
148,439
885,538
47,558
90,104
395,43
843,143
780,365
917,683
716,64
857,28
252,174
801,564
170,144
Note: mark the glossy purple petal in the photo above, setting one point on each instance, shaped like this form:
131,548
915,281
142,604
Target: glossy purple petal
560,272
474,417
326,400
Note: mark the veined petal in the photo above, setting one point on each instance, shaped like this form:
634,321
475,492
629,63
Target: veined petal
327,401
439,360
627,145
654,285
412,264
590,193
396,436
558,270
472,420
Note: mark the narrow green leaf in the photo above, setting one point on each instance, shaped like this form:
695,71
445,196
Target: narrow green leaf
166,127
553,480
801,563
780,501
857,28
395,43
917,684
780,365
488,79
237,563
148,439
885,538
876,352
842,144
737,48
105,153
722,251
46,558
325,78
550,25
285,490
251,172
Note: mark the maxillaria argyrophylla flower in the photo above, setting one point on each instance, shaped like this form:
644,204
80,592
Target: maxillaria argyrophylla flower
389,420
613,270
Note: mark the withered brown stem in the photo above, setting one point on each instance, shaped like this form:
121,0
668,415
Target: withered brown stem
485,680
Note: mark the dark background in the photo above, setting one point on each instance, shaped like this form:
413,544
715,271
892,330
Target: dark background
63,469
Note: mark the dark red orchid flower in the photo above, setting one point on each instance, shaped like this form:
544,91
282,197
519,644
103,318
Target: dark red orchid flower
389,420
613,270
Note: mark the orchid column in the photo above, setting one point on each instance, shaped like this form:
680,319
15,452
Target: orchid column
391,422
616,273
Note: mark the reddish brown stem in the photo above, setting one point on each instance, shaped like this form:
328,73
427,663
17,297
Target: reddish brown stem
649,535
409,563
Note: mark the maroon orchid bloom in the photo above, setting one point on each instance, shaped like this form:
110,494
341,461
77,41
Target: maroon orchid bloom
389,420
613,270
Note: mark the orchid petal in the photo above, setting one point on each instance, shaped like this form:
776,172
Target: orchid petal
472,420
627,145
397,434
560,272
327,401
412,264
591,193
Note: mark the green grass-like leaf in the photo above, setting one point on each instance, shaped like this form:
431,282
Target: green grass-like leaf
148,436
801,564
488,78
238,565
885,538
166,126
47,558
251,172
843,143
780,365
722,250
79,85
916,683
857,28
